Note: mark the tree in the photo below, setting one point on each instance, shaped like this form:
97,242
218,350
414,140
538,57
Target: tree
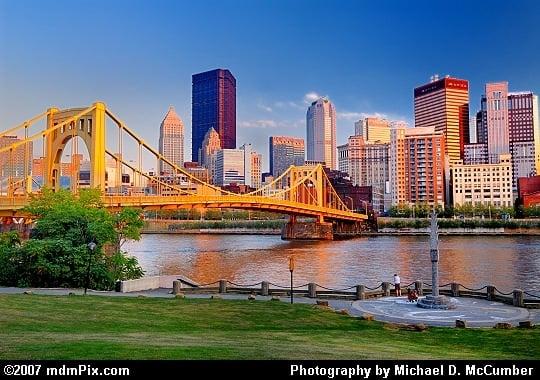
57,252
9,245
128,223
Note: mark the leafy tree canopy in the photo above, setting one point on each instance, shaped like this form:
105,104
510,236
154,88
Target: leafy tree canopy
57,253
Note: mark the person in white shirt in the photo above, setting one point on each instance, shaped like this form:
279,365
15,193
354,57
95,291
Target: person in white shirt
397,285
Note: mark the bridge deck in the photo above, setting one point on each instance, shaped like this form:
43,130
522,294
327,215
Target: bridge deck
13,206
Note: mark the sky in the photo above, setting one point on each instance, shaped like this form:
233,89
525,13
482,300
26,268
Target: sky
366,56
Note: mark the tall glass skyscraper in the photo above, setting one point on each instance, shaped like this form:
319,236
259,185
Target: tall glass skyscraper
213,106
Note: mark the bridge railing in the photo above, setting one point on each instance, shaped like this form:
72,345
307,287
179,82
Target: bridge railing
516,297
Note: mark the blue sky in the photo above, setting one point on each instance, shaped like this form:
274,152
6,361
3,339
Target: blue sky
367,56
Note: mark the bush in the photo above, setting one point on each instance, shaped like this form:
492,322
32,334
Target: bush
458,223
227,224
57,254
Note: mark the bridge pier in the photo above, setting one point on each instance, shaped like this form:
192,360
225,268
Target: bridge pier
307,231
348,229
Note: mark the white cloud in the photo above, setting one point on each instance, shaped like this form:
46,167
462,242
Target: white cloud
354,116
296,105
271,124
349,115
258,124
264,107
310,97
289,104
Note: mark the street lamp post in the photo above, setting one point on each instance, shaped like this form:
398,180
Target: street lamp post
91,246
291,269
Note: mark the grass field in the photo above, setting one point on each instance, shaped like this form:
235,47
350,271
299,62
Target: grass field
94,327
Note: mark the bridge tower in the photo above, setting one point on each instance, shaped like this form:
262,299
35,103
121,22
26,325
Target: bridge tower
91,129
313,191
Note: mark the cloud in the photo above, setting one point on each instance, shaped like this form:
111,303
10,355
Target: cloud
258,124
264,107
310,97
289,104
307,99
349,115
271,124
361,115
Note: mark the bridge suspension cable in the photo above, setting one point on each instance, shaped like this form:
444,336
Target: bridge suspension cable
305,190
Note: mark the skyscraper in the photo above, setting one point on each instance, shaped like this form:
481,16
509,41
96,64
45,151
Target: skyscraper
207,154
444,105
284,152
399,184
252,166
498,132
17,163
417,172
213,106
367,165
211,143
321,132
171,141
373,129
507,123
524,134
229,167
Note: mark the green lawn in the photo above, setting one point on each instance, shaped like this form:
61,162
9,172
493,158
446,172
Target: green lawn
94,327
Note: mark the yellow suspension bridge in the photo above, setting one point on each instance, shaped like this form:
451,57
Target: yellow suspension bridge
302,191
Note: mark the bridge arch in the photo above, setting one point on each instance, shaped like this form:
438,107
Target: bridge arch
90,128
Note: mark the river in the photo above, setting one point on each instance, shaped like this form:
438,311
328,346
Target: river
508,262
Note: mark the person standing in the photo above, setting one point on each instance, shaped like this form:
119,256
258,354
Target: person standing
397,285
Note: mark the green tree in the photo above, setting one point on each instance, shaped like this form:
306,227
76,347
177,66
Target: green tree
9,246
57,252
128,223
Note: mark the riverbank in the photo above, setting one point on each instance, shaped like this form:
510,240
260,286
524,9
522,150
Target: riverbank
227,227
92,327
471,226
386,226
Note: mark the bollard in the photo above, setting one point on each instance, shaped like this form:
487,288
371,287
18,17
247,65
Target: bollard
360,292
312,290
223,286
517,299
454,289
386,289
419,288
264,288
490,292
176,287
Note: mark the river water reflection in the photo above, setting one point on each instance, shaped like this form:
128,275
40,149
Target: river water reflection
507,262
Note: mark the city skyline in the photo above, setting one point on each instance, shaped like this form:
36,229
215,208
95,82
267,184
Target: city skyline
272,96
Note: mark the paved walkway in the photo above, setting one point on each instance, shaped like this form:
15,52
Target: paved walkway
477,313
